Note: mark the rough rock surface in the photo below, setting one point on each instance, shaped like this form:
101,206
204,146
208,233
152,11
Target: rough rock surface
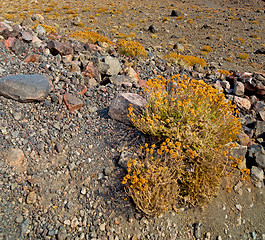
25,88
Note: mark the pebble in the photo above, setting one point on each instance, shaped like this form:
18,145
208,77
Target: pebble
19,218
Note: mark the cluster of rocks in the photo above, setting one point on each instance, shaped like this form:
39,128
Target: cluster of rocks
59,143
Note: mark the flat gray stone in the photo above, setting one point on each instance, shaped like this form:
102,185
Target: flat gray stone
25,88
257,173
114,66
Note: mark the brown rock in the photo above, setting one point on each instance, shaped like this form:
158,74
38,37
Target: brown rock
91,72
72,102
15,158
31,198
32,58
244,139
242,103
60,48
118,109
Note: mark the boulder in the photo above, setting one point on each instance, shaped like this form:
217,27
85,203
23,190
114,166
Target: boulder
118,109
25,88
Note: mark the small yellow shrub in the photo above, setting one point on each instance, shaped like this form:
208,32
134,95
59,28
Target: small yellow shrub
131,48
194,125
89,36
184,61
207,49
243,56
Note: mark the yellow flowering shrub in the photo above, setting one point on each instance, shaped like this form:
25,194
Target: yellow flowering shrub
194,125
151,182
93,37
184,61
131,48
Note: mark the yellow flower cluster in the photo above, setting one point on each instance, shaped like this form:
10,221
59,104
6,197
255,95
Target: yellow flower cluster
184,61
194,125
131,48
93,37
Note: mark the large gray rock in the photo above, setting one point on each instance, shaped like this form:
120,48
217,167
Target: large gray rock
257,173
25,88
114,66
118,109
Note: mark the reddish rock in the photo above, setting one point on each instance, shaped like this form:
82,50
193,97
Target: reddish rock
54,36
244,139
32,58
130,72
10,42
142,83
60,48
118,109
91,72
72,102
82,89
27,36
242,103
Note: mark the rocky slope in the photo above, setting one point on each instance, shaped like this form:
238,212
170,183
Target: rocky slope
61,158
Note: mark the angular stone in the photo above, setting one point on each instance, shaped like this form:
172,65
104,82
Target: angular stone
26,36
130,72
125,157
114,66
32,58
239,153
72,102
118,109
225,84
31,198
14,157
244,139
255,87
91,72
37,17
242,102
239,88
119,79
260,129
19,47
260,160
25,88
257,173
10,42
60,48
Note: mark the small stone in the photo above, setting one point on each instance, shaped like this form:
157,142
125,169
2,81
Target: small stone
239,207
257,173
258,184
24,226
72,102
60,48
15,158
239,89
244,139
102,227
40,30
31,198
59,147
107,171
69,204
197,230
83,191
242,102
19,218
67,222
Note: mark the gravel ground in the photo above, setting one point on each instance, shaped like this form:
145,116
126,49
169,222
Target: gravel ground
69,185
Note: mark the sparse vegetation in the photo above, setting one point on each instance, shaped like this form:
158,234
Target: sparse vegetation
194,125
184,60
131,48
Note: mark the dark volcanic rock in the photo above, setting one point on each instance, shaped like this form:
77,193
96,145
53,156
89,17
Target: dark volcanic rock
25,88
60,48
